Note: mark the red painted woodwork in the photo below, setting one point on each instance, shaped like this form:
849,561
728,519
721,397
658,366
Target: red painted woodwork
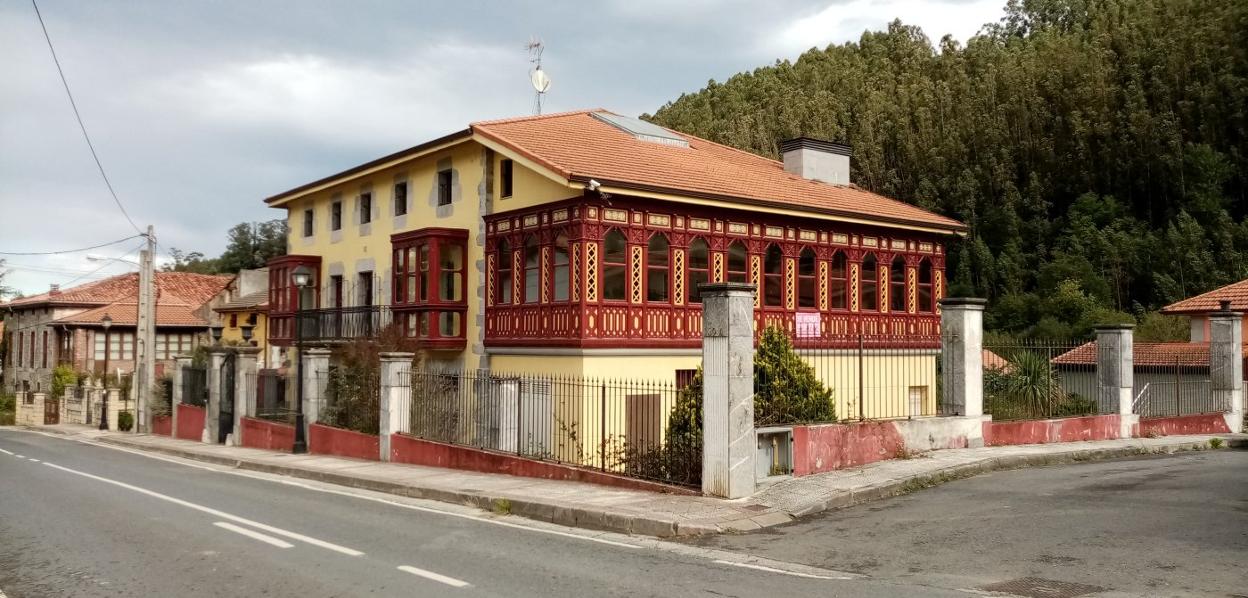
589,319
417,296
284,296
162,425
190,422
415,451
326,440
263,434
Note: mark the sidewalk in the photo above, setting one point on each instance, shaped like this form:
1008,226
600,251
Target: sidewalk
633,511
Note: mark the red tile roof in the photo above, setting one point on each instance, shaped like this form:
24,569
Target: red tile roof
1145,355
124,314
178,287
578,146
1236,293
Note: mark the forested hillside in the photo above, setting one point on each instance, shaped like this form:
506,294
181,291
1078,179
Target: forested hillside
1096,148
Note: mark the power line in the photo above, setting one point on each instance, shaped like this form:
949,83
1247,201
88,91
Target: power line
106,264
78,116
71,250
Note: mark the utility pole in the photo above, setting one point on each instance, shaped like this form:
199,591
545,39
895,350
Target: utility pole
145,335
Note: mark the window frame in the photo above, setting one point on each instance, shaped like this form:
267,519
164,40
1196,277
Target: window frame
505,274
807,281
692,272
664,268
897,281
366,207
872,283
621,265
506,178
838,282
731,275
434,322
309,222
445,181
928,288
399,195
773,278
560,293
335,215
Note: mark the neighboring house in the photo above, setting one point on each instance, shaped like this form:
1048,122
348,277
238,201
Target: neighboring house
573,244
65,326
1199,307
245,305
1171,378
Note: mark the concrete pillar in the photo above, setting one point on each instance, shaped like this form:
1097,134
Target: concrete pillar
180,363
962,356
212,423
395,395
245,361
1226,364
1115,375
114,407
729,444
315,380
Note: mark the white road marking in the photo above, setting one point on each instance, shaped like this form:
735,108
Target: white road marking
7,453
450,581
254,535
34,459
20,456
780,571
214,512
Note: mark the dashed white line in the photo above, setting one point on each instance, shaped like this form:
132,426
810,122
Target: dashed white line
438,577
34,460
7,453
779,571
214,512
20,456
254,535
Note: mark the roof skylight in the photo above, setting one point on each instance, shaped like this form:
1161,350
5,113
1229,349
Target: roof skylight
641,129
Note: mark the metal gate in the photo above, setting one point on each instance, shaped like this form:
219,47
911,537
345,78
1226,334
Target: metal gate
51,411
225,418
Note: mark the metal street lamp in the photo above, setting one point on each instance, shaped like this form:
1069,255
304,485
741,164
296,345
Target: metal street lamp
216,333
301,277
247,330
106,322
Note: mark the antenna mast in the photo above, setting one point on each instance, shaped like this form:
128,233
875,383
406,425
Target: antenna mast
541,82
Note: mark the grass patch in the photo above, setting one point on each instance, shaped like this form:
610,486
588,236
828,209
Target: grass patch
1216,443
8,410
502,506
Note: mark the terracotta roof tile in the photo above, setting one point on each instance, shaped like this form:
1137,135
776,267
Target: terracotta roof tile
1236,293
578,146
125,314
192,289
1145,354
255,301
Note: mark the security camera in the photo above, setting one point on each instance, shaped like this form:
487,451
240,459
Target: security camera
594,185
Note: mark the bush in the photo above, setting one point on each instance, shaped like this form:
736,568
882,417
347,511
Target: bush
125,421
679,459
8,409
162,397
1029,388
787,391
63,376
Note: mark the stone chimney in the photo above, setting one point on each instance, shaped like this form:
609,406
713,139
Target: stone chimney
54,289
816,159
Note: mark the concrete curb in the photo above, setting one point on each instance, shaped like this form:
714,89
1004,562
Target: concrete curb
654,525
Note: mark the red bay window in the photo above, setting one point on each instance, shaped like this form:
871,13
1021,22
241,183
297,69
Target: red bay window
429,286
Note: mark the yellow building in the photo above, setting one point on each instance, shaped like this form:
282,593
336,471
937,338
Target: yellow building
573,243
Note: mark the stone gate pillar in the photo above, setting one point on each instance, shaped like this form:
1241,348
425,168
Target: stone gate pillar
1226,364
180,364
1115,375
315,380
962,355
729,444
395,395
212,423
244,389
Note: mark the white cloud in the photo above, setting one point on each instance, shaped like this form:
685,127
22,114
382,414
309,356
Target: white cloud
842,22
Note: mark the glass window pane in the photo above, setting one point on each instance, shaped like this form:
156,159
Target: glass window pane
615,247
613,282
449,287
561,282
448,324
696,277
532,284
656,284
452,257
699,257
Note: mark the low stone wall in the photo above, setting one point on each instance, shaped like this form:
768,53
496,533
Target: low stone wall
162,425
29,409
1209,423
827,447
1045,431
326,440
415,451
190,422
264,434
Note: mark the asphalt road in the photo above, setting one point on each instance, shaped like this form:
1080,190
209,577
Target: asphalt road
1157,526
85,520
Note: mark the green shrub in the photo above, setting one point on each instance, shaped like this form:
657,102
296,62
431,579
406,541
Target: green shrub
125,421
63,376
8,409
786,389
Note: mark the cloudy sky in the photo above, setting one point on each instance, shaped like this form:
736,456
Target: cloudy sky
200,109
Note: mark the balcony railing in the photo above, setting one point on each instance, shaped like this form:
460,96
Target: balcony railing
332,324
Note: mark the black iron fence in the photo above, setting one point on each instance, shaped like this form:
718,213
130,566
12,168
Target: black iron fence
1181,387
1040,379
195,386
343,323
271,400
352,399
637,428
850,377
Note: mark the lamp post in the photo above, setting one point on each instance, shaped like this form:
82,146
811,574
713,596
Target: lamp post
301,277
106,322
216,331
247,332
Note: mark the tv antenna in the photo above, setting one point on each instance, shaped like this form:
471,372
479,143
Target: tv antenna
539,78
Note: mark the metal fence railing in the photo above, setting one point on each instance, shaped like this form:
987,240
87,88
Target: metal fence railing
195,386
270,397
1040,379
639,429
352,399
1183,386
860,376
